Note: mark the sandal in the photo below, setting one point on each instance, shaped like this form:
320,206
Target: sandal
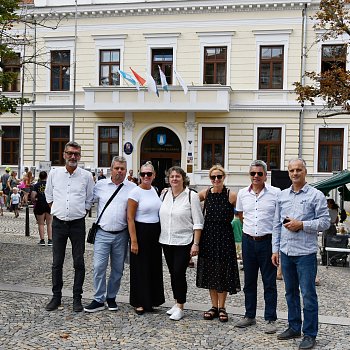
223,317
211,313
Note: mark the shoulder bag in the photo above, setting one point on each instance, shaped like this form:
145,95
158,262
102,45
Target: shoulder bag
93,230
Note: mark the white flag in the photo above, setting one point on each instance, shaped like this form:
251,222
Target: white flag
151,84
181,81
163,79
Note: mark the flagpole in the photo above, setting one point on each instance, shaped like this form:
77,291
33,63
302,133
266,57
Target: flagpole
75,68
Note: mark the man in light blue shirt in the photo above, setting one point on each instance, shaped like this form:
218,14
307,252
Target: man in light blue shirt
301,212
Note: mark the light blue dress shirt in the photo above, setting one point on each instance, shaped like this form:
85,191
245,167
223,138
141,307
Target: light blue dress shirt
309,205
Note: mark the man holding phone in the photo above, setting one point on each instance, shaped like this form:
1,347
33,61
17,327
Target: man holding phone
300,213
256,207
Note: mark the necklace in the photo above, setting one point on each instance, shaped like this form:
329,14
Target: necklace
175,196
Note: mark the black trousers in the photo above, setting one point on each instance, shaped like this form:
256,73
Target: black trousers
61,231
177,258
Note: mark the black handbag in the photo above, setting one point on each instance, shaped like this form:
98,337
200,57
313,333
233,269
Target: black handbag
93,230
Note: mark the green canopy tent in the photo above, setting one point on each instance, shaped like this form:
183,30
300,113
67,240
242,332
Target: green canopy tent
336,181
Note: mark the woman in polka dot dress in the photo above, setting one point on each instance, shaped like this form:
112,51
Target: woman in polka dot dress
217,268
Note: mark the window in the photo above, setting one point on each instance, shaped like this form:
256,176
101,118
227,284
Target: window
109,65
10,145
271,67
108,144
269,147
330,149
59,136
164,59
60,70
12,66
215,62
333,55
213,147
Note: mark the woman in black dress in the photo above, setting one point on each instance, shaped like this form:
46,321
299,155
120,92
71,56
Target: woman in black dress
217,260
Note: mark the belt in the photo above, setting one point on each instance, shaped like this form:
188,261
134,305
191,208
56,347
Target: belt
112,232
68,222
259,238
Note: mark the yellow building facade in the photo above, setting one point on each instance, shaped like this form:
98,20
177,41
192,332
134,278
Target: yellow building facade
238,60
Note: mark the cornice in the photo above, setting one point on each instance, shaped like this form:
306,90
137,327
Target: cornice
168,8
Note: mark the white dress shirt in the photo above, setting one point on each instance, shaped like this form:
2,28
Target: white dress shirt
71,195
179,218
258,210
114,217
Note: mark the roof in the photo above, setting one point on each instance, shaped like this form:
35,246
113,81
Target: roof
335,181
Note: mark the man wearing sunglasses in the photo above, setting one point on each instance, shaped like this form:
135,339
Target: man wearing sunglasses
256,206
69,193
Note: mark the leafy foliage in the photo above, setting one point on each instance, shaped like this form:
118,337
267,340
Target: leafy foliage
333,85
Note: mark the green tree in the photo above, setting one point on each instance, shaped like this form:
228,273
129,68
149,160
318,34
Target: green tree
9,17
333,85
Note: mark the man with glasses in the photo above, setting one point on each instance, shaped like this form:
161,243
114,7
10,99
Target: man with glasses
301,213
69,193
256,206
112,237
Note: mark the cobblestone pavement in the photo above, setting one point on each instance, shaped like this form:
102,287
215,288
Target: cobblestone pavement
25,288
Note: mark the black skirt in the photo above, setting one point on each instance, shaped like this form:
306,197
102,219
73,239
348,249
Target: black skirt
146,270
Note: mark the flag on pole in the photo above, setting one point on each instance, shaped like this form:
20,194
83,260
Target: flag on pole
163,80
138,77
151,84
129,78
181,81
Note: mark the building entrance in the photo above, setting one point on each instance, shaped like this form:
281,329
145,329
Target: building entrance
162,147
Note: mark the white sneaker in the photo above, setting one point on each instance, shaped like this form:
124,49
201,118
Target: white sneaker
177,315
172,310
270,327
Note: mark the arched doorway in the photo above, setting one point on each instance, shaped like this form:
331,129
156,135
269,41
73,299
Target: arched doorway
162,147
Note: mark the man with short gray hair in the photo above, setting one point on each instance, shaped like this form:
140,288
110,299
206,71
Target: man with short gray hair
112,236
256,208
69,193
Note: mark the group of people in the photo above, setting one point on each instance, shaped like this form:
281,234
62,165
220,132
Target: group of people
15,192
279,227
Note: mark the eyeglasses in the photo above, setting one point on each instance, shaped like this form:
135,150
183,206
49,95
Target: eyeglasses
148,173
259,173
213,177
75,154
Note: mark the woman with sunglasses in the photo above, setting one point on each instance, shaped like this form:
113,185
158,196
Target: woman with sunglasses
146,271
217,268
181,222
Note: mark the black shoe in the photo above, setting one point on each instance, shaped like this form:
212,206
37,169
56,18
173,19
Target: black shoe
112,305
288,334
307,342
42,242
94,306
140,310
77,306
53,304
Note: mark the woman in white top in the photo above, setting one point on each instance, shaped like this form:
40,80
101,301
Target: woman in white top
181,222
146,271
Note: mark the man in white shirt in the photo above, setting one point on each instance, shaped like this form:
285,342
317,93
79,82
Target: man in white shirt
112,236
256,205
69,193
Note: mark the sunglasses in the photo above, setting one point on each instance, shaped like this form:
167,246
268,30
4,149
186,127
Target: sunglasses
213,177
148,173
259,173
